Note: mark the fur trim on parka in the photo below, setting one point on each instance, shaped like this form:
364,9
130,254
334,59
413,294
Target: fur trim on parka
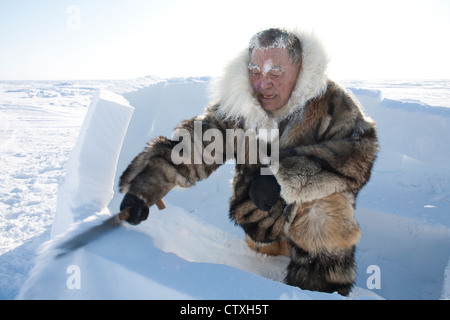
234,93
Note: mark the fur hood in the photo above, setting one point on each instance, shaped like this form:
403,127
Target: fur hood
233,91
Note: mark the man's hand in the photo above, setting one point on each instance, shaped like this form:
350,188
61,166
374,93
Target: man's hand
138,210
265,191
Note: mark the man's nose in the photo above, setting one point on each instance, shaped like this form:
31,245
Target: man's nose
264,84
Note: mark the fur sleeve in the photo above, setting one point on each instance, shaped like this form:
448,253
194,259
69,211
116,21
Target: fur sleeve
156,171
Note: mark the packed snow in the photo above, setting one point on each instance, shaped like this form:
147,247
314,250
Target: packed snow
60,174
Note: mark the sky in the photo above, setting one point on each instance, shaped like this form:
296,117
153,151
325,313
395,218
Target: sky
128,39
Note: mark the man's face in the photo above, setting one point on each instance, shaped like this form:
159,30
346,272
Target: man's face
273,76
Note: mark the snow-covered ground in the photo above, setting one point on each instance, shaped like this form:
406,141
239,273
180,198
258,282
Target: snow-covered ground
191,249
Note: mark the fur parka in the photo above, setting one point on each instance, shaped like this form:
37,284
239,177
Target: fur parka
327,147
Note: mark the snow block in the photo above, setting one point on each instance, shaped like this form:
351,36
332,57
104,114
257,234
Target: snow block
88,183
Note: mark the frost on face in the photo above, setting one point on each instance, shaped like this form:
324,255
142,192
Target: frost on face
255,44
269,66
253,67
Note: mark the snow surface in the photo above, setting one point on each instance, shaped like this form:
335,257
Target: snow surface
191,250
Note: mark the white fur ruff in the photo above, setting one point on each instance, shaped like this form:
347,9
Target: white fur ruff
234,93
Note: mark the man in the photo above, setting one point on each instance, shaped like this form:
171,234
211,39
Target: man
304,209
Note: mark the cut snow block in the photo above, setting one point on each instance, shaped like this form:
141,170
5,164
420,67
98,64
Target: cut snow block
88,184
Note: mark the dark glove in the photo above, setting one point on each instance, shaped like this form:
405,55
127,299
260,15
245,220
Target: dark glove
138,210
264,191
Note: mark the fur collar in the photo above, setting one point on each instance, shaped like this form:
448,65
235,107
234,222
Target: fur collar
233,91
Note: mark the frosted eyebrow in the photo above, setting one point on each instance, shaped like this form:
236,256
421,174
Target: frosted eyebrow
276,68
267,68
252,66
